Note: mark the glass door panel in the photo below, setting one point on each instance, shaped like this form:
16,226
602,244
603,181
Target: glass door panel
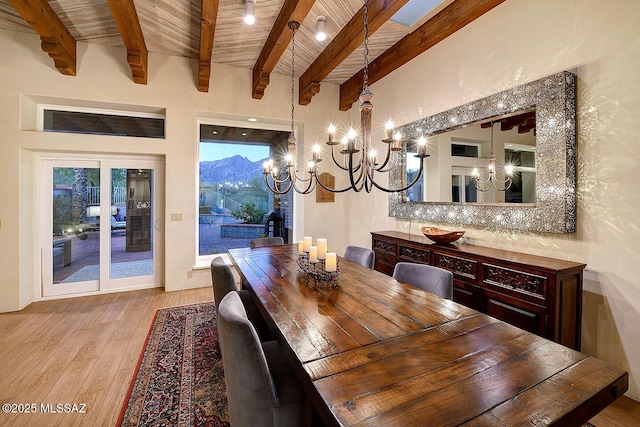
101,228
131,219
72,233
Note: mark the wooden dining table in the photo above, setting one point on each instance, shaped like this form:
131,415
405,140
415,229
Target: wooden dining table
372,351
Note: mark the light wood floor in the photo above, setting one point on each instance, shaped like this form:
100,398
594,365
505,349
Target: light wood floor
79,350
85,350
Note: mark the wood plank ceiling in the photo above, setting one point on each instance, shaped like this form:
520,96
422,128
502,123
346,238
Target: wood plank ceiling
212,31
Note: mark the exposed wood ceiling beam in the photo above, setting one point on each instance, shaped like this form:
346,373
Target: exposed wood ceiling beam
208,19
277,42
56,39
348,39
446,22
126,17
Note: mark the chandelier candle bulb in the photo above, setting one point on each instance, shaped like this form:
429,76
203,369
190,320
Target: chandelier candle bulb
397,142
289,159
388,131
332,133
316,152
313,254
322,248
422,146
306,243
331,263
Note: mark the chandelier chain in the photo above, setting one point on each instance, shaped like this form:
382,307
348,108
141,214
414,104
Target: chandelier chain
293,73
366,45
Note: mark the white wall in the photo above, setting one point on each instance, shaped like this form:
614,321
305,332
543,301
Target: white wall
104,76
518,42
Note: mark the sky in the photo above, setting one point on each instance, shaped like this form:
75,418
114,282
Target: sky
215,151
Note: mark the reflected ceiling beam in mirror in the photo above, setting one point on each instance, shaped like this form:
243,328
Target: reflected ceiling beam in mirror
525,122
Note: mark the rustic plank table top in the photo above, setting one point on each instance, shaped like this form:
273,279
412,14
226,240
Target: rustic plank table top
376,352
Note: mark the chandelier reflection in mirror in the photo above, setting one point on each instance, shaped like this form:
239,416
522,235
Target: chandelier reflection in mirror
492,180
356,157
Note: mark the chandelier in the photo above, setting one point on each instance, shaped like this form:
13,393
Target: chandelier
492,180
356,157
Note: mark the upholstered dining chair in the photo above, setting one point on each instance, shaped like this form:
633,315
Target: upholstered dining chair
224,283
359,255
262,389
426,277
261,242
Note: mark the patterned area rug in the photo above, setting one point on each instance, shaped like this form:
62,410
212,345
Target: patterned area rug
119,270
179,380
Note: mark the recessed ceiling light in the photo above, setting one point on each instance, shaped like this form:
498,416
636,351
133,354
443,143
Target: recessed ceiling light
252,119
215,132
244,134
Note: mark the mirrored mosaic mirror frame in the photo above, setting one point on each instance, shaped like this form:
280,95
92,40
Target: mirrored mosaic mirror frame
554,98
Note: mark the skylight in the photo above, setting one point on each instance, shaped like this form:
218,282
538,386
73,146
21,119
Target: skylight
414,11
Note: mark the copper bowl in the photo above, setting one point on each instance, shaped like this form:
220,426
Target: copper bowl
439,235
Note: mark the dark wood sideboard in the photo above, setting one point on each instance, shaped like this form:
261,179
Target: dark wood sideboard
538,294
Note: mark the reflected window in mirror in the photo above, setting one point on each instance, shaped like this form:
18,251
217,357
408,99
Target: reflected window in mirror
523,188
463,150
463,189
417,192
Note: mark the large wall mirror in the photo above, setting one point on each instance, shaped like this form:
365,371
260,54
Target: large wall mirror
532,131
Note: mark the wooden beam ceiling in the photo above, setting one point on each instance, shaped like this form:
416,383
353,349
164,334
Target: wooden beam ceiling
446,22
126,17
347,41
55,38
278,40
208,18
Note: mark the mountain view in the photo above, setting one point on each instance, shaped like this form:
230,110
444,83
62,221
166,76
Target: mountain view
232,169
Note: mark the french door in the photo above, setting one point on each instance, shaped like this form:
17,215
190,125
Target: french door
102,225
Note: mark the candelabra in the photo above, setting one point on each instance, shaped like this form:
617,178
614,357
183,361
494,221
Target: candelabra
492,180
359,159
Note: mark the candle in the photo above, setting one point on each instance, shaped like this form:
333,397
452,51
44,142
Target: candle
332,132
397,142
313,254
322,248
422,146
306,243
300,247
388,130
331,263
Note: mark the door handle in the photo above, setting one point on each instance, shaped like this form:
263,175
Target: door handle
158,224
